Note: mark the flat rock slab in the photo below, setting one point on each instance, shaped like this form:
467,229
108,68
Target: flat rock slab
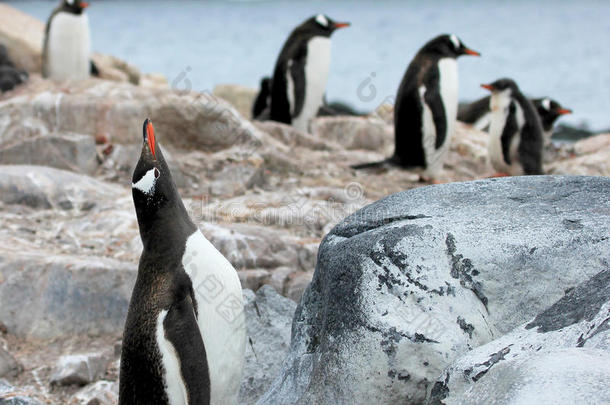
408,284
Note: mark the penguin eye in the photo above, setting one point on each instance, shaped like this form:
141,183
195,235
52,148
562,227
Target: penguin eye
157,173
322,20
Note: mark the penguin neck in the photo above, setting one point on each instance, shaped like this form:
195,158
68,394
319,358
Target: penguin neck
169,226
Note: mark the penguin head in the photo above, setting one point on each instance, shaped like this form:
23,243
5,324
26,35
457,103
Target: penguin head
501,85
549,109
321,25
75,6
449,45
152,185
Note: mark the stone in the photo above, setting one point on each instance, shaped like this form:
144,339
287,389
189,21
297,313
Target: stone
240,97
289,135
403,286
79,369
591,157
113,68
23,36
296,285
45,187
268,323
10,395
354,132
537,349
9,367
72,152
99,393
65,295
253,279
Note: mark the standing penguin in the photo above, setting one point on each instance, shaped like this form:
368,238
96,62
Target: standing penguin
301,72
478,114
67,46
426,107
184,336
515,134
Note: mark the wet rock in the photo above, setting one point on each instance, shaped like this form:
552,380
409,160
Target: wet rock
72,152
79,369
403,287
65,295
268,322
546,350
354,132
9,367
10,395
240,97
100,393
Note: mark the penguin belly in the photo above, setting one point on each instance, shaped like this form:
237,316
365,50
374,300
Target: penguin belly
175,387
317,67
220,317
68,47
448,84
499,115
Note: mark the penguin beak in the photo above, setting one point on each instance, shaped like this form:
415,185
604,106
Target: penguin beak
469,51
149,136
488,87
563,111
338,25
84,5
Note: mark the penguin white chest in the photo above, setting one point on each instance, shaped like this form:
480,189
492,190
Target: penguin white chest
68,47
500,111
448,82
220,316
317,67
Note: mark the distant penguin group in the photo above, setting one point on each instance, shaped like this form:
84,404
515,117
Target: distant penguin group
67,45
296,92
184,337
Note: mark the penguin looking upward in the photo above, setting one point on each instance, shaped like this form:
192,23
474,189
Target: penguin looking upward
426,107
184,337
515,134
301,72
477,113
67,45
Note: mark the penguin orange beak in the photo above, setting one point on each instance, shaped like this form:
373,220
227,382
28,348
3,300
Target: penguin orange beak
488,87
84,4
149,134
469,51
342,25
563,111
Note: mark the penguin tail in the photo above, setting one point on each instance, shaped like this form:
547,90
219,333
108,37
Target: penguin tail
374,165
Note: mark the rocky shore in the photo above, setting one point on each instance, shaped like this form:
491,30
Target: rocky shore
266,195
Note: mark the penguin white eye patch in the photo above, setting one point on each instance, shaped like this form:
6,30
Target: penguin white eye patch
146,184
546,103
455,40
321,19
70,2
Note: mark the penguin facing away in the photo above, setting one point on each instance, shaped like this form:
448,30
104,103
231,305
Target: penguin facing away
184,337
67,44
478,114
301,72
515,134
426,107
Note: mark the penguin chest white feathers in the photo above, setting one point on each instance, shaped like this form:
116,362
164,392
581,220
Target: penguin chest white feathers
68,47
500,105
448,88
220,316
317,66
172,377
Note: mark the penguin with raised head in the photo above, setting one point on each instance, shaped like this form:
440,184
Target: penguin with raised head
515,133
301,72
426,107
549,111
67,45
478,114
184,337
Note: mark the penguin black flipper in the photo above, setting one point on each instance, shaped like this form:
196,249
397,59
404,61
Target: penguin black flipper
470,113
510,129
297,73
408,146
93,69
182,331
434,100
530,150
261,103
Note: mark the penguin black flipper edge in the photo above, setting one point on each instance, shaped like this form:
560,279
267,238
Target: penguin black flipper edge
434,100
509,131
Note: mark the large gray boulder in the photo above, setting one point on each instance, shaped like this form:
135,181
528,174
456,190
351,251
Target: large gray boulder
408,284
268,320
562,356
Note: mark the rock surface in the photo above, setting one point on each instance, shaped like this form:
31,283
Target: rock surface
268,320
421,291
100,393
541,361
79,369
10,395
23,35
8,365
240,97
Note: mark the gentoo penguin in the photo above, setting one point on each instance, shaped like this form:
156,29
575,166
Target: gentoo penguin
515,133
301,72
477,113
184,336
66,49
426,107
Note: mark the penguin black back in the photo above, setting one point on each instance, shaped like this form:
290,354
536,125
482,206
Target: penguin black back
163,357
